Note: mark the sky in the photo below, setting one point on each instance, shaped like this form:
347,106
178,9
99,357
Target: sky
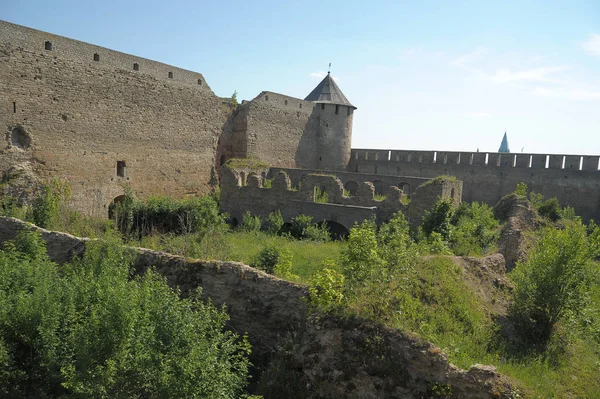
424,75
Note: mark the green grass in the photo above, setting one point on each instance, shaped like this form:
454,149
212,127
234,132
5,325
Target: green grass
238,246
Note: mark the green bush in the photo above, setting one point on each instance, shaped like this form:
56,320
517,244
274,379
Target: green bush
195,215
303,228
250,224
552,284
267,259
439,219
274,223
361,260
321,195
550,209
88,330
475,229
521,189
327,288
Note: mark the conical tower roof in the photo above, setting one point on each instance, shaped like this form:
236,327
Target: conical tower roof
328,92
504,144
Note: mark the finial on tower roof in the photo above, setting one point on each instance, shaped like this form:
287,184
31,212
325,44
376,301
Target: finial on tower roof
329,70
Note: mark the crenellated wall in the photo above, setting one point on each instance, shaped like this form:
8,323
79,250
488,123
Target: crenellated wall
243,191
488,176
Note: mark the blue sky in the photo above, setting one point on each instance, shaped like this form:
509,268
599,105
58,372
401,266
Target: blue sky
440,75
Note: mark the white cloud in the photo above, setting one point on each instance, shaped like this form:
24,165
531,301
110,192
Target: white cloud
321,75
476,115
525,75
592,45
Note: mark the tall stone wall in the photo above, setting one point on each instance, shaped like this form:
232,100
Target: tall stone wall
278,129
487,177
101,125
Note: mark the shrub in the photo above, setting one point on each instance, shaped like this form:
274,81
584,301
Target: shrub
267,259
303,228
439,219
361,261
274,222
327,288
521,189
475,231
551,284
250,224
550,209
87,330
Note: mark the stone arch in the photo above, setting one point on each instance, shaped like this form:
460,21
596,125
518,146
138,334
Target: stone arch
379,187
112,207
351,186
405,187
19,138
337,231
242,179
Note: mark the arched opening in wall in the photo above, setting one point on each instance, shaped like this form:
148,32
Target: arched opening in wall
96,57
242,179
337,231
378,184
48,45
300,105
337,109
170,75
322,106
113,207
350,188
320,194
222,160
286,229
249,176
405,187
19,138
199,82
286,102
266,98
233,222
136,66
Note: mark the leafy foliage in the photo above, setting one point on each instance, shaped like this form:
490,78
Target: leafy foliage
303,228
274,223
327,287
476,229
521,189
250,224
552,284
321,195
87,330
550,209
439,219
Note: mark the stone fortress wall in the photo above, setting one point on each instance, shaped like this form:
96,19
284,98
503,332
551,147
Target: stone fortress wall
101,125
487,176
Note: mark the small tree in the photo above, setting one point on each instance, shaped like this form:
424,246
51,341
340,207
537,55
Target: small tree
552,283
438,220
234,99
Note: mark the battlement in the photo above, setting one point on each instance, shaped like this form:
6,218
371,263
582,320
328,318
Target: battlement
489,159
95,56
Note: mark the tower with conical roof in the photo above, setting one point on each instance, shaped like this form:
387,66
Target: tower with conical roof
504,144
334,132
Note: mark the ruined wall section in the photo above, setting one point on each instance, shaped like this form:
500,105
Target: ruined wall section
279,129
241,193
62,116
487,177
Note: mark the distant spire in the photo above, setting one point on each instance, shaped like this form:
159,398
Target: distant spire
504,144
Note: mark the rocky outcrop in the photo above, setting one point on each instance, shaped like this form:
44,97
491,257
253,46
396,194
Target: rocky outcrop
520,217
334,358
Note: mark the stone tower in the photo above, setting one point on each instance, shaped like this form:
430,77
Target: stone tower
334,131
